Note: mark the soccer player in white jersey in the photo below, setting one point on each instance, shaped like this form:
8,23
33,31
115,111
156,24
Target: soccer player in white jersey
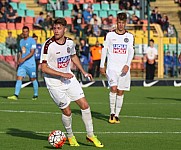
56,56
119,50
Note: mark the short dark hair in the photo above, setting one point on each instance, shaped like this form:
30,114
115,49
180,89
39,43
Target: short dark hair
61,21
122,16
26,27
34,36
151,40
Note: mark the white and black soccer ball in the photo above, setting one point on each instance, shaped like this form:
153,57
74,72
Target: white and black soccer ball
57,138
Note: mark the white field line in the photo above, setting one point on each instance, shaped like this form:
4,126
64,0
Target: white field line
96,103
123,132
58,113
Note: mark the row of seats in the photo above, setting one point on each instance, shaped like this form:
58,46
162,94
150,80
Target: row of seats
9,59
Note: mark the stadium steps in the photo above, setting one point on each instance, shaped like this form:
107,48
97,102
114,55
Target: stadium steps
171,9
32,5
7,71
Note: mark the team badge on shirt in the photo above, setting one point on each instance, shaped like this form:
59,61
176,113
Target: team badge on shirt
68,49
119,48
63,61
23,50
126,40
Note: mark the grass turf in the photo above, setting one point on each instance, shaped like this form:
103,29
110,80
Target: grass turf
150,120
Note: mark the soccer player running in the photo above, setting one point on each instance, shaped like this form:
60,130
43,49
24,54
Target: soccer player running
119,50
56,56
26,64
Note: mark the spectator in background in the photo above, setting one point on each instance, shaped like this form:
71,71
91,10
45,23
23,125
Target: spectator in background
135,4
39,21
158,15
77,7
88,30
87,14
168,64
171,32
105,27
59,4
164,23
153,17
96,57
12,15
11,43
48,22
84,54
110,22
128,6
37,53
3,17
94,16
77,22
175,64
96,29
5,4
151,56
89,4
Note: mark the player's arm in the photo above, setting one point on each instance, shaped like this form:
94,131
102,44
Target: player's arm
48,70
130,56
76,61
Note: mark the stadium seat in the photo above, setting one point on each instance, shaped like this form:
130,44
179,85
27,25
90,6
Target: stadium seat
92,40
96,12
96,6
112,12
38,33
30,25
145,40
10,26
166,40
3,26
18,31
146,34
70,6
2,57
22,6
156,40
105,6
30,13
132,31
103,14
21,12
67,13
69,20
173,40
19,26
81,1
58,13
29,19
91,1
114,6
71,1
139,33
138,40
101,40
15,1
43,1
14,5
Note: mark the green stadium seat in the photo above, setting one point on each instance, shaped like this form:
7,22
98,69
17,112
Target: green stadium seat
112,12
103,14
96,6
22,6
96,12
14,5
105,6
49,7
114,6
30,13
21,12
58,13
70,6
67,13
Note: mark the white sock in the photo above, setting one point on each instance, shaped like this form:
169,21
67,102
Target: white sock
87,119
67,122
119,104
112,99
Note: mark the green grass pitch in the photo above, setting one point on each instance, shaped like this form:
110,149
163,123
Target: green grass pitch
150,120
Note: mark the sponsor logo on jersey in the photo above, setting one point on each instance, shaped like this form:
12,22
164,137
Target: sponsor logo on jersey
126,40
119,48
63,61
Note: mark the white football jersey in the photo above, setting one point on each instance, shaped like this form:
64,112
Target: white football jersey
119,47
58,56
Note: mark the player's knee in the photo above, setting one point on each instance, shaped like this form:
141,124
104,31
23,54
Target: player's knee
67,112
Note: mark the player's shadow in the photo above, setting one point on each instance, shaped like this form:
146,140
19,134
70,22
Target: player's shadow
25,134
96,115
164,98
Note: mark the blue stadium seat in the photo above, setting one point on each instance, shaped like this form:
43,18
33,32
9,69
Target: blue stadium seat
14,5
105,6
58,13
30,13
22,6
21,12
96,6
114,6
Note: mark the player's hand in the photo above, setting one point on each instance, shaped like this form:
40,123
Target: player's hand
21,60
89,76
67,75
103,71
124,70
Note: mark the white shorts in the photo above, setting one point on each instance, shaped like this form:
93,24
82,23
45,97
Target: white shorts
115,79
63,91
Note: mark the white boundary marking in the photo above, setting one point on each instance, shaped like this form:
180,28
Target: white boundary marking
58,113
123,132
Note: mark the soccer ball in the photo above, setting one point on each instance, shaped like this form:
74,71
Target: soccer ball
57,138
